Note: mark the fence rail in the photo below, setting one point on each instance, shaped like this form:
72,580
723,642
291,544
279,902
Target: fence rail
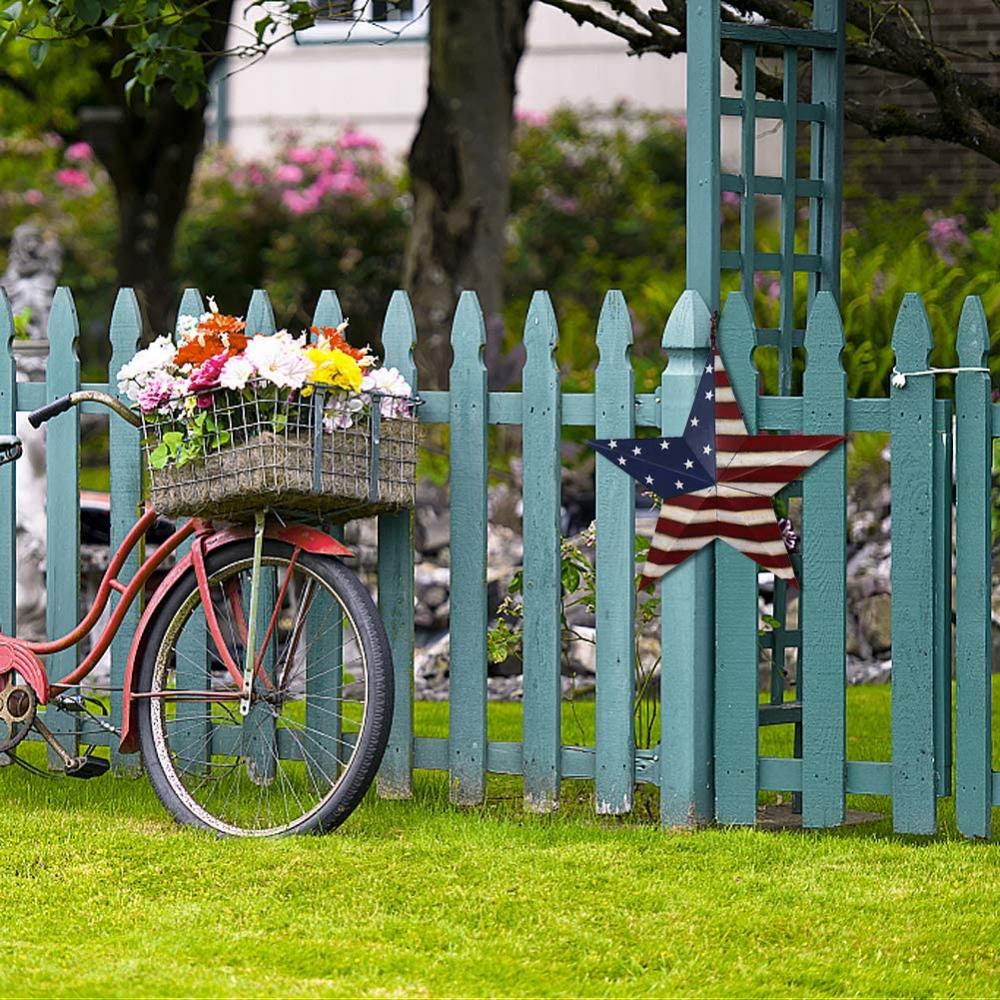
922,432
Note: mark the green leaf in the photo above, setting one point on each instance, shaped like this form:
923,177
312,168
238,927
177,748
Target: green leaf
158,456
37,52
89,11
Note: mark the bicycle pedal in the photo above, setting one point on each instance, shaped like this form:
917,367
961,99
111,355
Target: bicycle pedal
87,766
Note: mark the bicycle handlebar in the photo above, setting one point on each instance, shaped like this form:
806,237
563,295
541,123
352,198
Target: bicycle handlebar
61,405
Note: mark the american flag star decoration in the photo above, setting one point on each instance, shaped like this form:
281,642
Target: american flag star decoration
717,480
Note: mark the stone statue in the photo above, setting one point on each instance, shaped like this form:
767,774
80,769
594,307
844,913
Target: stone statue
33,265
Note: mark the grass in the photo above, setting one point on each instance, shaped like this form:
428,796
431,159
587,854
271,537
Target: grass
105,896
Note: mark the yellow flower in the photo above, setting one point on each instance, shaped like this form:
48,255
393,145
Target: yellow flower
334,368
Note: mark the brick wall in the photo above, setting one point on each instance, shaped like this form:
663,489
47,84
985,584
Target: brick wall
937,172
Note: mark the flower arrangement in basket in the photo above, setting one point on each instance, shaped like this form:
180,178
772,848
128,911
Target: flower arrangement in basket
233,423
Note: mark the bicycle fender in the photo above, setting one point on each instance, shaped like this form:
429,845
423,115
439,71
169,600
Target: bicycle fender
300,536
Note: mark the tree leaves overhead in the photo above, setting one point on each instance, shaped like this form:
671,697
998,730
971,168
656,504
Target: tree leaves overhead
897,36
164,42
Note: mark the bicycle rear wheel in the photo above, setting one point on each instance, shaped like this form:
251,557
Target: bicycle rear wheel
321,705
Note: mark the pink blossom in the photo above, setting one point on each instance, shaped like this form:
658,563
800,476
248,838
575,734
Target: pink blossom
535,119
774,290
302,154
161,389
79,152
75,179
358,140
255,175
730,199
327,157
33,196
289,173
946,234
206,375
300,203
566,205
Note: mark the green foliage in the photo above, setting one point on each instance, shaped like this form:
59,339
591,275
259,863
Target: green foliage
597,203
324,215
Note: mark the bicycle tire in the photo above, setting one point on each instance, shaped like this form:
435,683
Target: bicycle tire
165,729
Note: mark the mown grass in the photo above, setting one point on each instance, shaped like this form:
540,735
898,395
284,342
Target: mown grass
105,896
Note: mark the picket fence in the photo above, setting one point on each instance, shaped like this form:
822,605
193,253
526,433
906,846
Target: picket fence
924,432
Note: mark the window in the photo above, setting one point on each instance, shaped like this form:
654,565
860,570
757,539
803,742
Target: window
379,21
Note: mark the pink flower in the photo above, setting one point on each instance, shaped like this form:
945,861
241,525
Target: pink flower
534,119
73,179
298,203
255,175
730,199
774,290
566,205
946,234
358,140
79,152
33,196
206,375
302,154
289,173
160,390
327,157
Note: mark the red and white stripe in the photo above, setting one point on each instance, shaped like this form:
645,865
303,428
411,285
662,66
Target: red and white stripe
750,469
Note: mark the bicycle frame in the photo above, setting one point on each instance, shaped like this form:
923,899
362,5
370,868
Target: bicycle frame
25,657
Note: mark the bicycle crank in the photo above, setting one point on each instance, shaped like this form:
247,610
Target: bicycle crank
18,705
84,766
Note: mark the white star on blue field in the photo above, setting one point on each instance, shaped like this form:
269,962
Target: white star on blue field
671,467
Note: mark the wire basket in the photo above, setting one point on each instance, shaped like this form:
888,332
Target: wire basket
255,450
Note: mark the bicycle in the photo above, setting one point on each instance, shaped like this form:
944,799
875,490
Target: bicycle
259,683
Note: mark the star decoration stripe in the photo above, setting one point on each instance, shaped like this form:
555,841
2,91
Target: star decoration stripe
717,480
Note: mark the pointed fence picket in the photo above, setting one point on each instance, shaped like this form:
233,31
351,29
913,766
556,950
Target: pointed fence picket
707,764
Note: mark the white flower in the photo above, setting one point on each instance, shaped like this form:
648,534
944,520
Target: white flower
341,414
133,376
236,372
387,383
280,359
187,326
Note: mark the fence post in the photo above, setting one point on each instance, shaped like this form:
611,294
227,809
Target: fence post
614,776
542,424
125,463
328,644
395,575
914,806
8,495
824,590
973,644
62,547
736,618
686,682
468,403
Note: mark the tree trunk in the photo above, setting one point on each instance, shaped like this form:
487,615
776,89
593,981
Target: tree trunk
459,169
149,152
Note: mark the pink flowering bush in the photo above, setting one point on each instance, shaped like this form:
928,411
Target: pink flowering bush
314,215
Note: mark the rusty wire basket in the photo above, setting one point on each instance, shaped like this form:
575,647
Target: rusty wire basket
258,451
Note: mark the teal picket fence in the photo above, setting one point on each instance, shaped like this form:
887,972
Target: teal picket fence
724,742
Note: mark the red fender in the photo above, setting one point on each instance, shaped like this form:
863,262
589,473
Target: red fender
300,536
15,657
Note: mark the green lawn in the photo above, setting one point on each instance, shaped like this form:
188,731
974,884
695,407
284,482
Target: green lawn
105,896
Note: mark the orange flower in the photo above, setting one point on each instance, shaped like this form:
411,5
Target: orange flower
215,334
331,339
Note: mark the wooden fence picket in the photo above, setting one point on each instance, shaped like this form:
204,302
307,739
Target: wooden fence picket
736,618
125,464
687,794
469,621
395,574
973,642
542,424
614,779
8,494
823,605
911,415
62,470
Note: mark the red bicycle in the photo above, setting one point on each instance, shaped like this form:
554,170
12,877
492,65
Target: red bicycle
258,685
